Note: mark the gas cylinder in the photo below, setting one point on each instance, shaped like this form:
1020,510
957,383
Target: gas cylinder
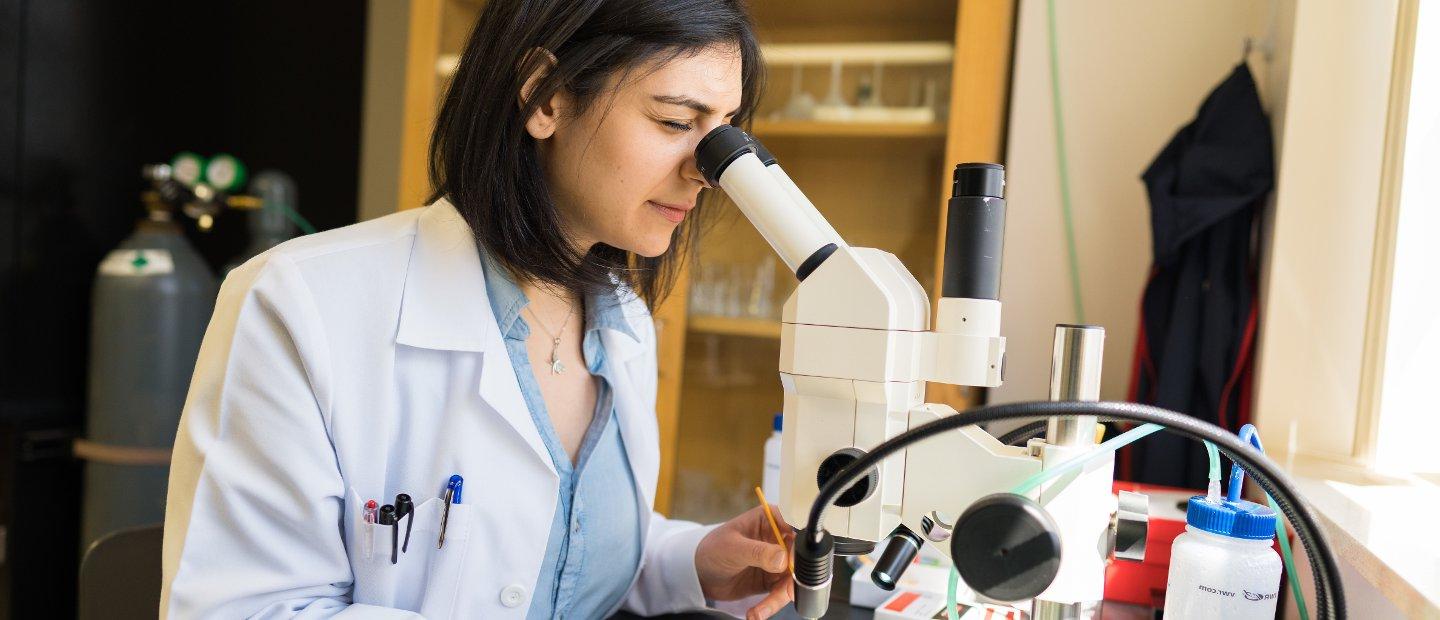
152,298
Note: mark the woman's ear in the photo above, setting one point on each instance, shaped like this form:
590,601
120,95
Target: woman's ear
543,120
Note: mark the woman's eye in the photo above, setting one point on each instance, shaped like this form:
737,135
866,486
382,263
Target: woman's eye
676,125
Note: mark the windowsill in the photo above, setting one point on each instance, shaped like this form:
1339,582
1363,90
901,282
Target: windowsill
1382,527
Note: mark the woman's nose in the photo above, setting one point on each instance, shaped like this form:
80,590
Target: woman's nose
691,171
691,168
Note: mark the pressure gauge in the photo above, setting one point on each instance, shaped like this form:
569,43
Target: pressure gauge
188,168
225,173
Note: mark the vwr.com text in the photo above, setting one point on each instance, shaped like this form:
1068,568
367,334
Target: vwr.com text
1249,596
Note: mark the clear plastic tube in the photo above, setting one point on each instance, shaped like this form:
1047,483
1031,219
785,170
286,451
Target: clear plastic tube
1115,443
1212,488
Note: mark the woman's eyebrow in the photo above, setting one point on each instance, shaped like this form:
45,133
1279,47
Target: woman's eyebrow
691,103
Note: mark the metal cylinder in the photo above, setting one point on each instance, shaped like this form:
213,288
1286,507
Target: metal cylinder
1075,365
812,601
1051,610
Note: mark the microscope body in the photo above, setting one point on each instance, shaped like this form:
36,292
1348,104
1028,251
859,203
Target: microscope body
857,349
856,353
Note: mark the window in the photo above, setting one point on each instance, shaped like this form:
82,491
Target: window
1405,364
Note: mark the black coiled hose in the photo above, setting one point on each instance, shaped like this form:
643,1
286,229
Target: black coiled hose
1019,435
1329,594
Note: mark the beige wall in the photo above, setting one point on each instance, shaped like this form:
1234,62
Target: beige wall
384,98
1316,274
1132,73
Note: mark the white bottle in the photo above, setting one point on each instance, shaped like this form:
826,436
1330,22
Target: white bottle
1223,566
770,479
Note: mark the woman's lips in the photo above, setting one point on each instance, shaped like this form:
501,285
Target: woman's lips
674,213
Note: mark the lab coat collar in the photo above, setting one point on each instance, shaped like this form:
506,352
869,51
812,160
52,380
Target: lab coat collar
444,306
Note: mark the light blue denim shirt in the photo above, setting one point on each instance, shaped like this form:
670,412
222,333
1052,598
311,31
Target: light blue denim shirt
594,546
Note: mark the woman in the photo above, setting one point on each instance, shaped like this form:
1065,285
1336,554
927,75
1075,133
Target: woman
499,335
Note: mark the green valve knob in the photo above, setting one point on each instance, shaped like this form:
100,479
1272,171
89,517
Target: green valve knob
188,168
225,173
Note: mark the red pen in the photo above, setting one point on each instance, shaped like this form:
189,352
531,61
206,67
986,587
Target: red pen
370,508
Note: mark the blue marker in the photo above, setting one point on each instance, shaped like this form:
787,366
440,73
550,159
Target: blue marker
452,496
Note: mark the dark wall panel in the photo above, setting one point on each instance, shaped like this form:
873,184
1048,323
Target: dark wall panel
90,90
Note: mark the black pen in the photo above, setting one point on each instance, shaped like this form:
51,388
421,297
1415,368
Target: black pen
404,508
387,517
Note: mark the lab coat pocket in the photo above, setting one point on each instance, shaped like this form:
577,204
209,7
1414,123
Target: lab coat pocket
425,576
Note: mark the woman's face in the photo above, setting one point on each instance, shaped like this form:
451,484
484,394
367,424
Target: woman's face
623,173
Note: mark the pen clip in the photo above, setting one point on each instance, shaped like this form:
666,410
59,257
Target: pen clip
404,507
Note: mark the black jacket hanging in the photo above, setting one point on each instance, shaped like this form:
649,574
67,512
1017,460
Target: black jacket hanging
1198,312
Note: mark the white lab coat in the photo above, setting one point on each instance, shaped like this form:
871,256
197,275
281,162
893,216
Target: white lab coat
364,362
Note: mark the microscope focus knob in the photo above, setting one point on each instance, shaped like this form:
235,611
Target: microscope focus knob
1131,526
858,492
1006,547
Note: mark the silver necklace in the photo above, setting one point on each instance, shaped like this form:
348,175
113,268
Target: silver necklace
555,366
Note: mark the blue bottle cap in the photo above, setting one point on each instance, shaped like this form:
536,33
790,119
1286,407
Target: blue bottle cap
778,418
1233,518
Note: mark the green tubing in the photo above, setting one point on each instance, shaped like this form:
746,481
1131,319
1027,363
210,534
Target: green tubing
1062,166
1115,443
950,593
1285,554
299,220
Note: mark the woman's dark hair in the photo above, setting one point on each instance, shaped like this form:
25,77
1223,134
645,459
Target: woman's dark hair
484,161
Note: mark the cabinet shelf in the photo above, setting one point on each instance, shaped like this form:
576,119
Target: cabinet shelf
893,53
734,326
821,129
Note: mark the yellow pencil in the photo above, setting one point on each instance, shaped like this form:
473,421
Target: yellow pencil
774,527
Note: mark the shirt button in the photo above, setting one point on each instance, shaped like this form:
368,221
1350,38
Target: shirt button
512,595
575,529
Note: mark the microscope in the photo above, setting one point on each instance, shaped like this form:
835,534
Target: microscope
856,351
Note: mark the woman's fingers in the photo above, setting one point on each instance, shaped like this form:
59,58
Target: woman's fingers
769,557
780,595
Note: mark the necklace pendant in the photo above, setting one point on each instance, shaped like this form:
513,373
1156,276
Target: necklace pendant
555,366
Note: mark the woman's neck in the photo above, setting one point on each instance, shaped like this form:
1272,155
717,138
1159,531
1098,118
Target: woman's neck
549,303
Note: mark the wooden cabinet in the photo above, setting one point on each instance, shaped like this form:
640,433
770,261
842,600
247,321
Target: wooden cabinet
882,185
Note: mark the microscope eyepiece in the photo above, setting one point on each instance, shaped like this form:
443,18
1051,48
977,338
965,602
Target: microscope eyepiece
975,232
720,147
978,179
